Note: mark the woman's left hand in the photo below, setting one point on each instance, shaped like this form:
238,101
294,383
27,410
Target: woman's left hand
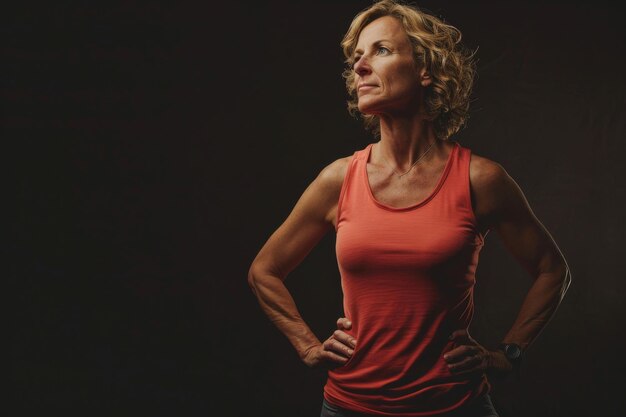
470,356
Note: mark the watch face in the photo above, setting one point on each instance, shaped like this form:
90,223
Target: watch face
512,351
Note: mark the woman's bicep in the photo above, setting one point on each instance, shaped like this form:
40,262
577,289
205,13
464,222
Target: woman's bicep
305,226
521,231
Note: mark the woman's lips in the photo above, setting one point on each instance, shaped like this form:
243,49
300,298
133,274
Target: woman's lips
366,87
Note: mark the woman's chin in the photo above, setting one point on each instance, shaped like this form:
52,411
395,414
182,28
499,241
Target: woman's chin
378,108
375,105
368,108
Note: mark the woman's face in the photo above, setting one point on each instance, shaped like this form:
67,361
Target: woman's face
387,78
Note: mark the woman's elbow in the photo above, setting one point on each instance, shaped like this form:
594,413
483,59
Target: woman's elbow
259,271
252,275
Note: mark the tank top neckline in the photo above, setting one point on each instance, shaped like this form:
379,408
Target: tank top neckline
442,179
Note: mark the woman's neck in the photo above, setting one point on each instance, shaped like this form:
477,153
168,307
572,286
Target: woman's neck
403,140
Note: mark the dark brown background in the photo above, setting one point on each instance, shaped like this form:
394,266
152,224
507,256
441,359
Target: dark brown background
153,149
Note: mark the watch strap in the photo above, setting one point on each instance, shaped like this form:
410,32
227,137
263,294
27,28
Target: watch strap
513,353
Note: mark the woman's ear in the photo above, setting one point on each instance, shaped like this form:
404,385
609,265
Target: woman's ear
425,79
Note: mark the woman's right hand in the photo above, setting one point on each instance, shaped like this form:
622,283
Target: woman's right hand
335,351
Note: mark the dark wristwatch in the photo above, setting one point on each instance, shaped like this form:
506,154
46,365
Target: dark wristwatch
513,353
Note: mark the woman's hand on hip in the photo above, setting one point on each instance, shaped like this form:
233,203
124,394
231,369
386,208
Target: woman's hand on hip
335,351
469,356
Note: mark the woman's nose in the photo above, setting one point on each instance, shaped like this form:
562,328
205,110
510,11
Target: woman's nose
361,66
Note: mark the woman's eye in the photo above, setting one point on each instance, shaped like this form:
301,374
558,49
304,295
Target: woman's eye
381,50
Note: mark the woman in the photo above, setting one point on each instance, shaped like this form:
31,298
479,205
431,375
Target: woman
411,212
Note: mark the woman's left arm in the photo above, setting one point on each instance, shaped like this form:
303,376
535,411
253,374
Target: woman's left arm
502,206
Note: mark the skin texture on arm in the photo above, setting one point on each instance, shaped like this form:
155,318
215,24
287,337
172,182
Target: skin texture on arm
311,218
502,206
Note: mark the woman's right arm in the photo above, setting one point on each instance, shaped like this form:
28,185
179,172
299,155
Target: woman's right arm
311,218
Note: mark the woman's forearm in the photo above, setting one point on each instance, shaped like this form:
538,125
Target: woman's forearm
539,306
279,306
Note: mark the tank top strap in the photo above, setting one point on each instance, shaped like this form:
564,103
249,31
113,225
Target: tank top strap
351,188
458,176
459,184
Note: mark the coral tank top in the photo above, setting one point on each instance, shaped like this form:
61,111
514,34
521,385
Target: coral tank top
407,276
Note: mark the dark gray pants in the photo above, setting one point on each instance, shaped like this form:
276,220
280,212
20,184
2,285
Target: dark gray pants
479,407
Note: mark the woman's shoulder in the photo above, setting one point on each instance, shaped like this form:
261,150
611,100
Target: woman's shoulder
492,188
327,186
485,173
333,174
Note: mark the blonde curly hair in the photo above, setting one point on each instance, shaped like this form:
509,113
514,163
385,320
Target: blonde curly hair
437,46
